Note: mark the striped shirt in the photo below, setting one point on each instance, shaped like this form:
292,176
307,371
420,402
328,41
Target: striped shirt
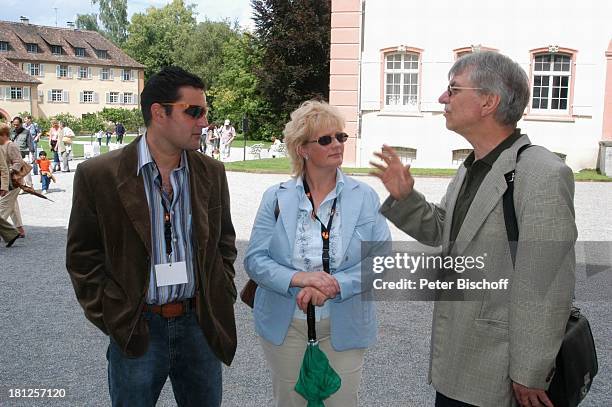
180,216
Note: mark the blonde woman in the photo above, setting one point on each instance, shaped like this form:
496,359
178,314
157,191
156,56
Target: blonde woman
318,207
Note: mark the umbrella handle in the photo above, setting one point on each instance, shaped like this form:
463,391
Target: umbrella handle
310,320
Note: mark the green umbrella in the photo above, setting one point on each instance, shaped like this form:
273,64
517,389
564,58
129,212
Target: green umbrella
317,380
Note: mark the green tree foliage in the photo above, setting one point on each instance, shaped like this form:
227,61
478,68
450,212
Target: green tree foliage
295,36
159,37
236,91
87,22
113,15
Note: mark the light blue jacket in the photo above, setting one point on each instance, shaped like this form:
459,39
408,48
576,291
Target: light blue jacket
268,262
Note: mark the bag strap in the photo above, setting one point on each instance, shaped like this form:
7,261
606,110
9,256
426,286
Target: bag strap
512,230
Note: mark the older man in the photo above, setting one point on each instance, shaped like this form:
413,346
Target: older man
500,348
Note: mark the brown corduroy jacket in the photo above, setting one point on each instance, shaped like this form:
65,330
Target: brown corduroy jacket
109,249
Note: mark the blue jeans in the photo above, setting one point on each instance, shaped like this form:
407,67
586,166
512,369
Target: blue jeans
177,348
45,182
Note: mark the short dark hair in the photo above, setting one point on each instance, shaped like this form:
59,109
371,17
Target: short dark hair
18,118
42,153
163,87
28,117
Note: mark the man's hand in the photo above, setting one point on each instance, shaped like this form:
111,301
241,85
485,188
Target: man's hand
395,176
310,294
527,397
320,280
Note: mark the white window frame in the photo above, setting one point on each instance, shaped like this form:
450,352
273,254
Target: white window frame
126,75
4,46
79,50
113,98
402,72
32,48
84,70
105,72
551,74
34,69
88,96
16,93
57,96
102,53
62,71
55,48
127,98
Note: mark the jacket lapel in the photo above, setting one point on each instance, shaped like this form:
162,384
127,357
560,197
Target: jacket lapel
199,186
349,211
488,196
288,204
451,202
132,193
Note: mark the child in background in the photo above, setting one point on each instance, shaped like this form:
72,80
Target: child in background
45,171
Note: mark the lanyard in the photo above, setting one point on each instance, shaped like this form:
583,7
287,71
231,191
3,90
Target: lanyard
167,219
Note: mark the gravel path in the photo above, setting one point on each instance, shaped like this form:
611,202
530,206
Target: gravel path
47,342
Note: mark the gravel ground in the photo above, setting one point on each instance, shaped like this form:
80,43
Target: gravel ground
47,342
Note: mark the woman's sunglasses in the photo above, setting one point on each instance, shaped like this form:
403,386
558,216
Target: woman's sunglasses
194,111
327,139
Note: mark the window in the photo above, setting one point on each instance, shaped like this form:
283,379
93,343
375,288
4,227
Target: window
401,88
113,97
4,46
88,96
105,74
128,98
79,52
56,49
459,52
62,71
126,75
102,53
460,155
551,82
56,95
32,48
16,93
34,69
406,154
84,72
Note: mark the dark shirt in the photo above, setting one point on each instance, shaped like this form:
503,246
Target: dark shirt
476,173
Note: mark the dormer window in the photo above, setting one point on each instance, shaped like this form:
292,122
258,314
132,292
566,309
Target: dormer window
102,53
56,49
79,52
4,46
32,48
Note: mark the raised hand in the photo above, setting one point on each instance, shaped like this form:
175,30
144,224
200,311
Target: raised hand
394,175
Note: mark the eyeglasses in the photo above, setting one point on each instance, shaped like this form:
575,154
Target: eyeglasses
194,111
327,139
450,89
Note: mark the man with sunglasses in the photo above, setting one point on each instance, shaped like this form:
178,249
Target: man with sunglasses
500,348
150,252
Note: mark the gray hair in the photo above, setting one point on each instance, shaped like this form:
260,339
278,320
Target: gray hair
497,74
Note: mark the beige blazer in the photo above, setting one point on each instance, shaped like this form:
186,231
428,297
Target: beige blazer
479,347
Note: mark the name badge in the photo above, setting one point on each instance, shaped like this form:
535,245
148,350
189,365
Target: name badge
171,273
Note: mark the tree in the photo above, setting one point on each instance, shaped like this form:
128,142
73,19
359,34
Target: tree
158,37
87,22
295,36
113,15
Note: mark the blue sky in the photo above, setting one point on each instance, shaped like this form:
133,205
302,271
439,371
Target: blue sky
42,12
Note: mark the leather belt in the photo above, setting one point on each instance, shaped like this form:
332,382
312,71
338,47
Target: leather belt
171,309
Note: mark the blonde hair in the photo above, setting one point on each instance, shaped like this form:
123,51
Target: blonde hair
310,118
5,128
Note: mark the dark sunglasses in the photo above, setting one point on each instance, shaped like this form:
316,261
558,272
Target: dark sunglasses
327,139
194,111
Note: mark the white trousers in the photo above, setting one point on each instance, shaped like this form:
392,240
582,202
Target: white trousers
285,362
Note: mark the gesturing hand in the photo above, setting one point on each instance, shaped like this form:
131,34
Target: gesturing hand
310,294
320,280
528,397
394,175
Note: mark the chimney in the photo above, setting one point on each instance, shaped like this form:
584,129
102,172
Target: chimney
24,20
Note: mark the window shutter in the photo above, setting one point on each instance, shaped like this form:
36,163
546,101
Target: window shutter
89,73
121,98
57,71
112,74
136,101
132,75
26,93
49,96
107,97
95,97
41,69
65,98
100,73
26,68
70,72
81,98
